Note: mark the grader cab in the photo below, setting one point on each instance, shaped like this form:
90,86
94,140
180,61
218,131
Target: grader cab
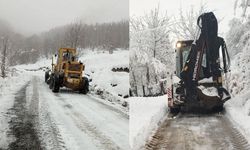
67,72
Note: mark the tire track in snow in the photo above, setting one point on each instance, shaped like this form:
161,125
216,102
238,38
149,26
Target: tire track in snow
85,126
30,123
82,123
197,132
80,126
108,105
22,125
48,131
237,139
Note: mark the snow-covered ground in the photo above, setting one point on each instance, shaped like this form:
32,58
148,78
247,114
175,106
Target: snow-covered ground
67,119
146,113
238,110
114,86
99,65
8,87
93,125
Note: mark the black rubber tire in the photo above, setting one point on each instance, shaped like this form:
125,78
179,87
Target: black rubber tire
56,85
51,83
175,110
219,108
46,76
85,86
48,81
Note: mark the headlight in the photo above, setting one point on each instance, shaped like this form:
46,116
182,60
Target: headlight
178,45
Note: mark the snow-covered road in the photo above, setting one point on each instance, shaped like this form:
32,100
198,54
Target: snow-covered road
199,132
66,120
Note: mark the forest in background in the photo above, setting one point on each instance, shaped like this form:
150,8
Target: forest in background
19,49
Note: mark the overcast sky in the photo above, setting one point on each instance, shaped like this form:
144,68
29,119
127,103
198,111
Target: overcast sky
34,16
223,9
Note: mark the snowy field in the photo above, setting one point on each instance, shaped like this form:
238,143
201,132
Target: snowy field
146,114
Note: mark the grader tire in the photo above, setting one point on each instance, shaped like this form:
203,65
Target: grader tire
46,77
85,86
51,83
56,85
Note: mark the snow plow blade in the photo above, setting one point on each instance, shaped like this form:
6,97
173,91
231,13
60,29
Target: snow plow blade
204,103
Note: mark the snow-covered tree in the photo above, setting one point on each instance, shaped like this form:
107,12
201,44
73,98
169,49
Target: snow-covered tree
185,26
235,35
238,40
150,52
73,34
5,45
243,4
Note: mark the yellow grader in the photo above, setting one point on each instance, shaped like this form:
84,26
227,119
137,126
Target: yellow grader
67,72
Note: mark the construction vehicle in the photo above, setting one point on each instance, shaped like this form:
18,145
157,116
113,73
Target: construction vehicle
201,67
67,72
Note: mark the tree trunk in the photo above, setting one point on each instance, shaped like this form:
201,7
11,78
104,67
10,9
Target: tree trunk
3,62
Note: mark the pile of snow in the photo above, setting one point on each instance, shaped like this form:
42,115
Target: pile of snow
108,84
206,80
146,113
238,110
39,65
210,91
99,65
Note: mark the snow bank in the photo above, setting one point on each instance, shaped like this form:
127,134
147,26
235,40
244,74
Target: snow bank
145,115
99,65
41,63
108,84
238,110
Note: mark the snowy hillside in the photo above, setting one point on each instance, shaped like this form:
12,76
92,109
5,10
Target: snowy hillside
99,66
238,108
